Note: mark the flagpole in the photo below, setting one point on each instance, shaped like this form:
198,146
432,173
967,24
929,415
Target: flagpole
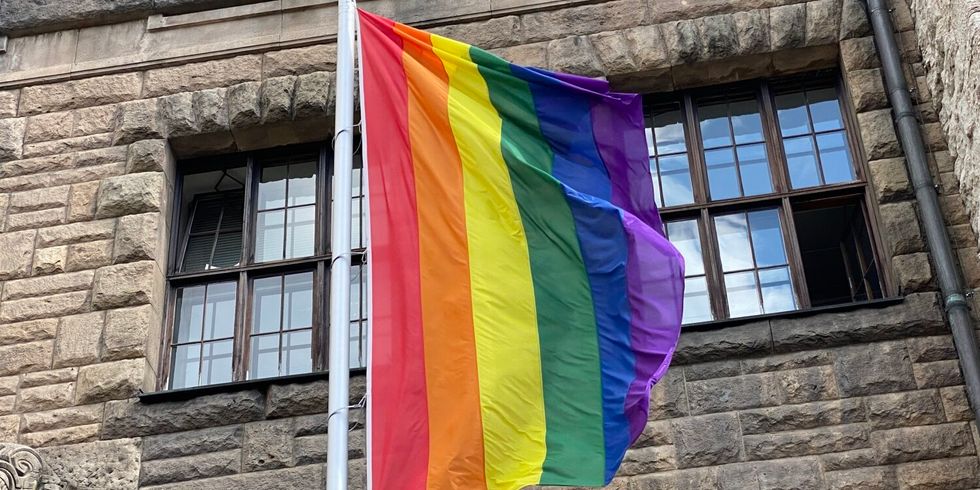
339,353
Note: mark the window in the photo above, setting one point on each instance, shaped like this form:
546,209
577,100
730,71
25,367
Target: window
762,191
249,264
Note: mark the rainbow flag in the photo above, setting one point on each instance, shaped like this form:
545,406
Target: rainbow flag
524,297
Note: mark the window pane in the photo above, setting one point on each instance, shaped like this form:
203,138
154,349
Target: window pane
697,305
767,238
299,301
777,290
669,131
300,231
791,111
302,184
269,236
802,162
676,176
264,358
685,236
187,366
825,109
714,125
651,150
835,157
753,164
207,212
358,346
228,250
190,314
216,362
743,297
722,176
355,292
266,304
272,187
356,220
733,242
297,352
219,317
746,121
197,256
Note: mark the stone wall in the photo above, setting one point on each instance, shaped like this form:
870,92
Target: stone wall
867,398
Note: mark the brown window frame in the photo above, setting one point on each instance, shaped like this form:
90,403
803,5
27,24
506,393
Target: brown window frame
783,197
248,270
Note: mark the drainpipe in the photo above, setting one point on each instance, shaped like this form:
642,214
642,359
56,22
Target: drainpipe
947,271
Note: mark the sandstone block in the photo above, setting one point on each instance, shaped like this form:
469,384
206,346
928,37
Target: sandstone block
900,228
109,381
822,22
922,442
48,397
147,156
891,180
84,92
710,370
914,272
781,362
289,400
614,53
60,177
802,416
854,20
35,219
806,442
807,385
492,33
38,199
668,398
956,405
196,76
312,95
78,339
211,111
719,37
878,478
873,368
935,348
867,90
9,427
126,332
859,54
15,254
752,29
46,127
81,201
69,145
878,134
51,377
44,306
19,333
574,54
102,464
608,16
136,120
682,41
706,440
186,468
61,437
904,409
787,26
177,115
8,103
130,194
50,260
93,120
735,342
650,459
11,139
39,286
35,165
938,374
299,61
23,358
655,433
166,446
62,418
267,445
134,418
126,285
310,450
276,99
8,385
646,47
941,473
137,238
739,392
89,255
243,105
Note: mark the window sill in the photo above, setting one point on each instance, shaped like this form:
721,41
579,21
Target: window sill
252,384
844,307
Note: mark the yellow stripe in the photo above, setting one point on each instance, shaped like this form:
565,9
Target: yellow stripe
504,316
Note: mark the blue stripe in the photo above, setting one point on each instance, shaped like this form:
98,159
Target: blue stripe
565,120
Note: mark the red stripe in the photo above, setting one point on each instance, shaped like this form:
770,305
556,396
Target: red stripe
399,408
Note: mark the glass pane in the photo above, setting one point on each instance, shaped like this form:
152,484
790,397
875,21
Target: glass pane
269,236
669,131
767,238
266,304
356,181
754,167
802,162
676,177
743,298
299,301
216,362
272,187
722,176
297,352
231,218
187,366
656,182
264,356
746,122
697,305
190,314
685,236
300,231
714,125
355,292
206,215
777,290
835,157
825,109
733,242
648,132
358,346
791,111
197,256
228,250
219,317
302,184
356,220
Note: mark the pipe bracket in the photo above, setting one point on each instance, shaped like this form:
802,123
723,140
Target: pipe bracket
956,300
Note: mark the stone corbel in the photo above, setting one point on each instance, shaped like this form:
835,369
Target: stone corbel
20,467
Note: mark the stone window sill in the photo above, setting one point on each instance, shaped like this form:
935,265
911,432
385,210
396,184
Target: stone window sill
252,384
843,307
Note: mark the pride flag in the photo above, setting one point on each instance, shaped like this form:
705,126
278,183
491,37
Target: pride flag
524,297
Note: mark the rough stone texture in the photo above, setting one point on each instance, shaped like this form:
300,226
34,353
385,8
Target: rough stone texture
109,381
80,93
130,194
126,284
103,464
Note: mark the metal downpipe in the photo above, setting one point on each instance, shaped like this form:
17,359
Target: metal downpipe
937,238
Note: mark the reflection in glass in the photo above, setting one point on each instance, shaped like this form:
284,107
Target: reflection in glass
297,352
219,316
286,222
187,366
777,290
300,231
205,316
743,295
824,109
685,236
269,237
298,309
358,317
746,122
767,238
675,175
266,304
754,167
282,305
791,111
802,162
715,131
302,184
669,132
216,362
835,157
722,175
264,356
272,187
190,314
667,149
733,242
697,304
829,162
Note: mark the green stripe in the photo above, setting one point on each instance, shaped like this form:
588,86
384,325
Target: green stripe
566,323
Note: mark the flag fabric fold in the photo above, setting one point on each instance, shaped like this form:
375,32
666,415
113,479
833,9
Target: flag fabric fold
524,296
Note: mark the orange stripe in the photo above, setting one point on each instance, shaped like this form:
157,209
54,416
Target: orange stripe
456,455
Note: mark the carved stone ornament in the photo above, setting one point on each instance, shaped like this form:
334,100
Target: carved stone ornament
20,467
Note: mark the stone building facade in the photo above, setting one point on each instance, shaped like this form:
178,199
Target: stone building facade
101,103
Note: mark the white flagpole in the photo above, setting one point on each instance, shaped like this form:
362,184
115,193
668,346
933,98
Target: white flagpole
339,360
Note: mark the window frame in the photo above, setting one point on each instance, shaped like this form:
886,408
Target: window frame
248,270
783,196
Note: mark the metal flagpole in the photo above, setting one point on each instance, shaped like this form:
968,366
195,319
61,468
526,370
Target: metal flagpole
339,353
